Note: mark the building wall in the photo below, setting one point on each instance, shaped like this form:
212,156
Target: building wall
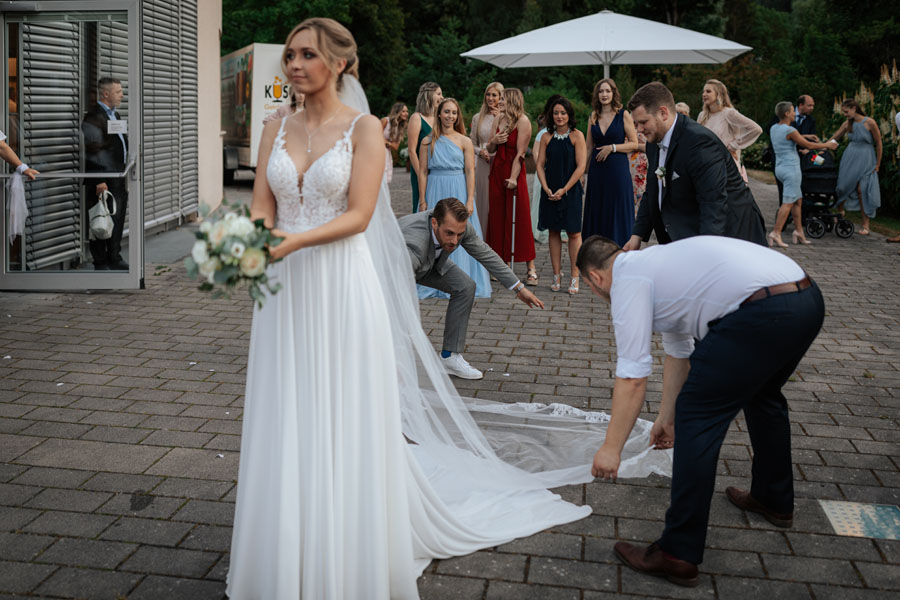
210,125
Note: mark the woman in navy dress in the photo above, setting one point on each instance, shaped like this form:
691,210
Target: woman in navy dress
561,160
609,206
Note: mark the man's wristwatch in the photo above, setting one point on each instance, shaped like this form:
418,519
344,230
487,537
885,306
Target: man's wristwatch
519,288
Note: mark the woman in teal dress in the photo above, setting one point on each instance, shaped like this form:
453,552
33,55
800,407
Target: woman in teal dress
447,161
857,185
420,126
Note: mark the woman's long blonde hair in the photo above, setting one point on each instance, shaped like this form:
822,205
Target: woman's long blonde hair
515,107
395,126
425,98
459,126
722,99
485,109
333,40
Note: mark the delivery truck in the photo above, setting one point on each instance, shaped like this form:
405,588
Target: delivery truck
253,86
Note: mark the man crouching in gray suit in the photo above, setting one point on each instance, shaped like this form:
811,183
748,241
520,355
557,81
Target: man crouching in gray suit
430,238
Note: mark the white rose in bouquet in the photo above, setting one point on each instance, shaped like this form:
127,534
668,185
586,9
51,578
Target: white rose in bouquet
218,233
208,269
253,263
237,249
199,252
241,227
206,226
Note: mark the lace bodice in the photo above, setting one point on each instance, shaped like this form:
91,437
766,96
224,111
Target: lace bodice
323,194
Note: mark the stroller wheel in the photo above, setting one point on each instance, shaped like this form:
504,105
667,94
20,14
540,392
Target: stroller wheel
815,228
844,228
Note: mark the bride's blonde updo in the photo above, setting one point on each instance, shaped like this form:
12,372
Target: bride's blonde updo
334,42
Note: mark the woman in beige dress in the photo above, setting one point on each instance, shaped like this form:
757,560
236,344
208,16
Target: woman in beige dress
734,129
481,132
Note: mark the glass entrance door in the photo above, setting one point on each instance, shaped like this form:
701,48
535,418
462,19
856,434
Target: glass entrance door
71,110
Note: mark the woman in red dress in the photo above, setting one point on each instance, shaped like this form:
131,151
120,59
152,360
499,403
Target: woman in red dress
508,179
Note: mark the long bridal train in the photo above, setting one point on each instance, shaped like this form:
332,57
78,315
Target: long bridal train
332,501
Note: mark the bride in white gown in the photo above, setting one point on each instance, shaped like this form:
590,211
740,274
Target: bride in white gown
332,501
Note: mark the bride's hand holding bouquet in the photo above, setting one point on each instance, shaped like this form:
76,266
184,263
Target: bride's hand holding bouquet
233,252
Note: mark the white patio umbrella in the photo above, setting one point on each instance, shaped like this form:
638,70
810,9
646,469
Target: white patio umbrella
607,38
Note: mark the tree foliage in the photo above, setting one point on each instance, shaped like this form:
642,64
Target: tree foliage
817,47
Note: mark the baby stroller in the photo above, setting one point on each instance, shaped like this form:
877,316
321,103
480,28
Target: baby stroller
819,187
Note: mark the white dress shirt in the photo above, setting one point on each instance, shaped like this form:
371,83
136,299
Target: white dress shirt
678,288
2,137
664,152
111,113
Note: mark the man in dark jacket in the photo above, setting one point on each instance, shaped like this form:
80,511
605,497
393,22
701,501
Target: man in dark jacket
106,151
693,184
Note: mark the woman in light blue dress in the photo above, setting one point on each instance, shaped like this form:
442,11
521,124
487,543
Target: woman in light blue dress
785,140
857,184
447,170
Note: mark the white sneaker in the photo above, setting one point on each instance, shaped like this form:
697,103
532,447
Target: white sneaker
456,365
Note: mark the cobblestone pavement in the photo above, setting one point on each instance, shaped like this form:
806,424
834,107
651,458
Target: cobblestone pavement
120,419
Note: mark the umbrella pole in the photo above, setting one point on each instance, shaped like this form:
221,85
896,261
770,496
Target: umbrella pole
605,70
512,250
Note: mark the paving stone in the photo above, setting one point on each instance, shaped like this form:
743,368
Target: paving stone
818,570
177,439
118,482
22,547
64,499
46,477
19,577
12,446
731,538
87,553
88,583
11,426
171,588
879,575
833,592
147,531
730,562
193,488
56,430
833,546
486,565
208,537
212,513
95,456
16,495
9,472
117,435
141,505
445,587
646,586
170,561
68,523
14,518
744,587
559,572
546,544
196,463
501,590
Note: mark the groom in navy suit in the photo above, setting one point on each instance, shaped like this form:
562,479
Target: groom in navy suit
693,184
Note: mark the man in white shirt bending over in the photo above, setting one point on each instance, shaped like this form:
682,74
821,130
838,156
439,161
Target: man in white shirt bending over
755,313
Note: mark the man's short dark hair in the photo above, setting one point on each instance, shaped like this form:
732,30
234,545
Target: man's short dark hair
651,96
105,81
596,253
450,206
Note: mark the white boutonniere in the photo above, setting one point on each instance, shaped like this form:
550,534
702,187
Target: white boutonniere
661,175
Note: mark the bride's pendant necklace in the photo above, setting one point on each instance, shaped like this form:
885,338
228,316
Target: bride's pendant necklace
309,136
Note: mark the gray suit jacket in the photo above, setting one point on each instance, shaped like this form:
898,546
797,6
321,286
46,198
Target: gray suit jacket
416,230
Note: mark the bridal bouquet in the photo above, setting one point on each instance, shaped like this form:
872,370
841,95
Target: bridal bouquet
233,252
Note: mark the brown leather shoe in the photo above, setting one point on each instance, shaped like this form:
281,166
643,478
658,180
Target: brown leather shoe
745,501
653,561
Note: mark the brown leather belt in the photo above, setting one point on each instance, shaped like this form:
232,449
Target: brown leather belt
775,290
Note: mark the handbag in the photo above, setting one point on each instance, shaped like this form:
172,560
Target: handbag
101,221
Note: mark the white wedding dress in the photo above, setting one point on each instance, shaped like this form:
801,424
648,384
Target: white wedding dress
332,502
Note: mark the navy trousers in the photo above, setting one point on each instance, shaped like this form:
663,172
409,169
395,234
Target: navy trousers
741,364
